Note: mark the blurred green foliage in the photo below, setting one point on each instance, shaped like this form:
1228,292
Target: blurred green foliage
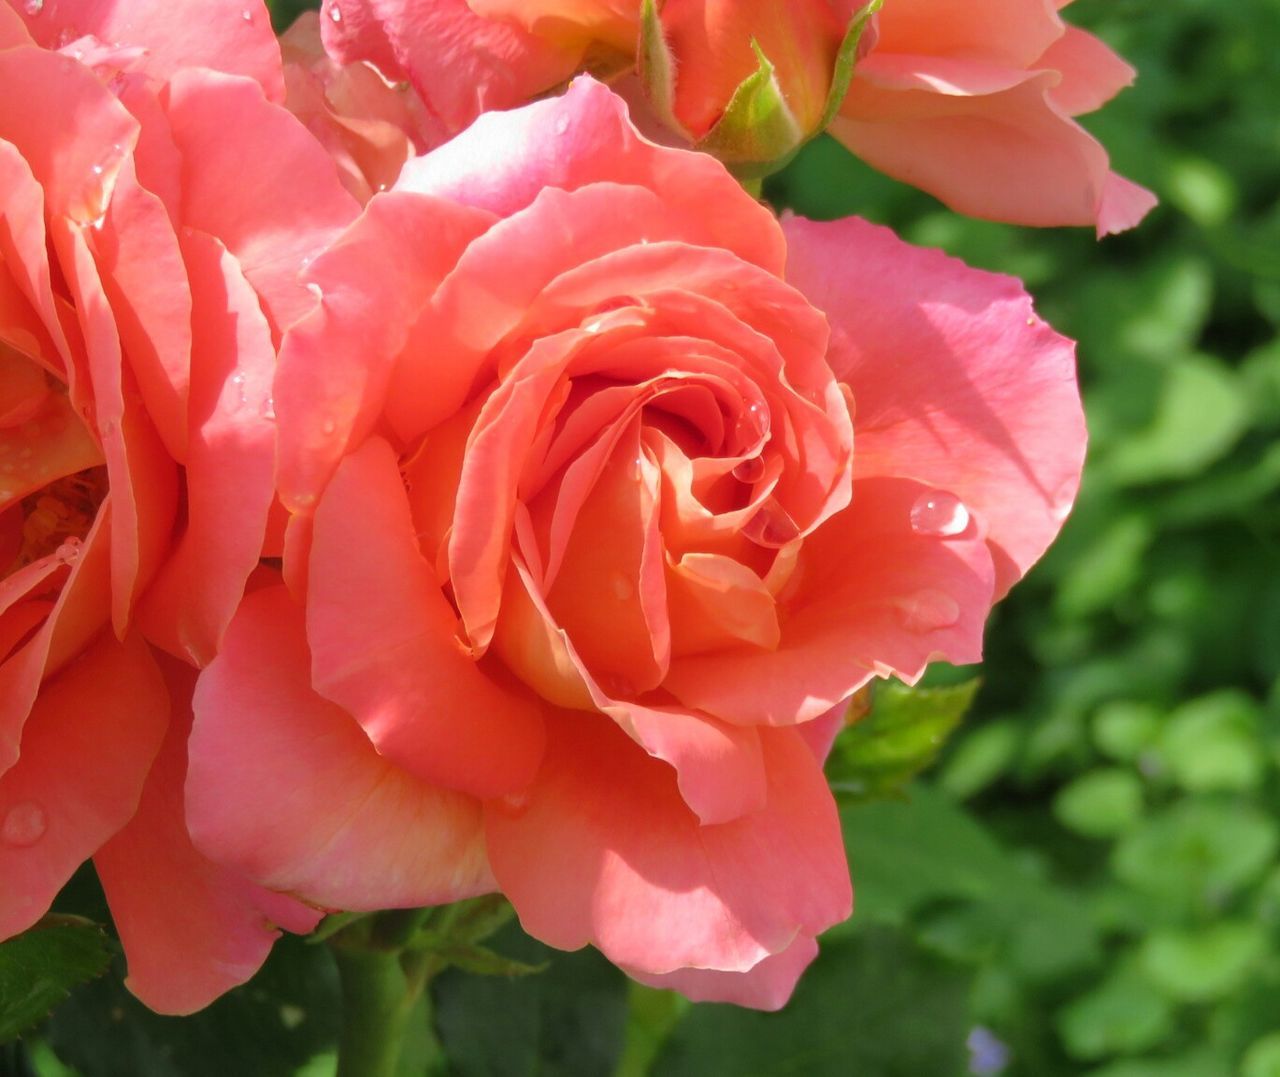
1088,882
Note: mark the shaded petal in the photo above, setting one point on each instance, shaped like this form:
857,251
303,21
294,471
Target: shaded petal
579,869
227,167
229,467
871,598
191,929
1001,153
958,384
285,787
460,63
384,645
86,751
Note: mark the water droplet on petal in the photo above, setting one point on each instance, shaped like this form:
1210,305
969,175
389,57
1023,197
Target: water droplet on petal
928,611
328,428
268,410
516,803
24,824
753,424
335,13
750,471
247,15
33,7
562,124
771,526
69,551
939,514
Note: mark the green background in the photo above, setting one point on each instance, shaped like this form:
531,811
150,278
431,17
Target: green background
1086,881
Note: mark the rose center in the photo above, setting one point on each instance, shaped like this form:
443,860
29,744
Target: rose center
55,518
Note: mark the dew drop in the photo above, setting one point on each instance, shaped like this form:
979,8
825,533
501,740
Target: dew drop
268,410
753,424
928,611
33,7
335,13
247,15
751,470
939,514
328,428
771,526
24,824
516,803
593,326
237,381
69,551
562,124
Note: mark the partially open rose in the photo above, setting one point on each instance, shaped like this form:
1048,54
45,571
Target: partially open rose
607,491
973,103
143,283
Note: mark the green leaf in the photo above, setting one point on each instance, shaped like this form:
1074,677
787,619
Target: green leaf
565,1022
1199,414
1212,743
284,1017
1196,853
757,132
980,758
1123,1015
1262,1059
1124,729
874,1005
902,734
906,856
1101,803
39,968
1197,966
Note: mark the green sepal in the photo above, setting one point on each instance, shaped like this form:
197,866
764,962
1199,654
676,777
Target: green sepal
39,968
899,737
758,132
657,66
846,59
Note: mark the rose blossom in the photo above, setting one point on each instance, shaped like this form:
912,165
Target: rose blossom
607,491
982,119
971,102
144,280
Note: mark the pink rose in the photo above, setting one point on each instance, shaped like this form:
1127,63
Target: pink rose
144,281
973,103
607,491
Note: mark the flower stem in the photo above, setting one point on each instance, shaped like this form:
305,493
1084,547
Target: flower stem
382,990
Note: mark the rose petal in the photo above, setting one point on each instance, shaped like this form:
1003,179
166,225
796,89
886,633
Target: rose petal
383,642
86,750
579,869
191,930
958,383
348,829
